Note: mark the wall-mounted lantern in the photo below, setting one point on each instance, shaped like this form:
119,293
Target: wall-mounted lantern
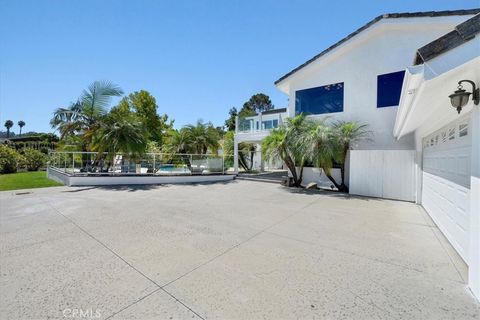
460,97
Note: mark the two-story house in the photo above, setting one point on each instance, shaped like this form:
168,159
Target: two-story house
421,151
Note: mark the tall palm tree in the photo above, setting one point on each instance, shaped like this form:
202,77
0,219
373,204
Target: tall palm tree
21,124
346,135
83,116
8,124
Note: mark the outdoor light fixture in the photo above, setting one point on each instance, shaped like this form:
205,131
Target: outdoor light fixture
459,98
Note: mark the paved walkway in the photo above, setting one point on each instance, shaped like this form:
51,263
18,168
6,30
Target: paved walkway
239,250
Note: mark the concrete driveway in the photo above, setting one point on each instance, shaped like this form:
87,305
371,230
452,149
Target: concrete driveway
239,250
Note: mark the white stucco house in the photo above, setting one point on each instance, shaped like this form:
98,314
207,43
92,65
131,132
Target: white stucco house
254,129
447,142
395,74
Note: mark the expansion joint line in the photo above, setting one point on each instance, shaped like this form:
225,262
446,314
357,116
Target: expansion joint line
159,287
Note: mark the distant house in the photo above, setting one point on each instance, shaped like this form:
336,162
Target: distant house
395,74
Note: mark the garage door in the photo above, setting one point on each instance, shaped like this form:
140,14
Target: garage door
446,181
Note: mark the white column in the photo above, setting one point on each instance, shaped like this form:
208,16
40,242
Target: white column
474,256
235,146
259,152
235,154
260,121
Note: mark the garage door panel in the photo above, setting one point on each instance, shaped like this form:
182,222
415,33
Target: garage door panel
446,182
448,218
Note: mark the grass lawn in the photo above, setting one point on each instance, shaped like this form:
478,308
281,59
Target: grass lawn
26,180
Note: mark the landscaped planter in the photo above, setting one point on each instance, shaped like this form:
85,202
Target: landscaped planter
316,175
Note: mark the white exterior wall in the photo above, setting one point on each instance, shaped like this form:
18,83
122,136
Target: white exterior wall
429,110
386,174
389,46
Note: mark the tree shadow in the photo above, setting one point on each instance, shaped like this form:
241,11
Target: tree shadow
330,193
143,187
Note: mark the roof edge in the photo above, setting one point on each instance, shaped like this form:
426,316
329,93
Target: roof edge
375,20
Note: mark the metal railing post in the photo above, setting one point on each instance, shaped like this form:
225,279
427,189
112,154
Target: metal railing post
153,169
191,164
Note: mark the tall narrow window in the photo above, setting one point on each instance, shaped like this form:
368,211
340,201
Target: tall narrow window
389,88
319,100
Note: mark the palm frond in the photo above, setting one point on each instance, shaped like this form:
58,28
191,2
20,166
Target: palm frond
97,97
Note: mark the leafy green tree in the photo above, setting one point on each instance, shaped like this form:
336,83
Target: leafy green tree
83,117
145,106
257,103
21,124
230,122
8,124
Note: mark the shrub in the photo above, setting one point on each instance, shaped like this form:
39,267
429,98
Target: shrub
33,159
10,159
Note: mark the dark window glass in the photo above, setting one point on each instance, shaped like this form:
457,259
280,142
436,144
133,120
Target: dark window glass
257,124
267,124
275,123
326,99
245,125
389,87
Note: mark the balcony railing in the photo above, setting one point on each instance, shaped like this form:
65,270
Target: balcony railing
104,164
258,124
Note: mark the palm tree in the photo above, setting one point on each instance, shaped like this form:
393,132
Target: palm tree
200,138
287,143
83,116
122,133
297,128
347,134
321,148
276,145
21,124
8,124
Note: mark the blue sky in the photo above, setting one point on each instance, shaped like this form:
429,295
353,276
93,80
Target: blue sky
198,58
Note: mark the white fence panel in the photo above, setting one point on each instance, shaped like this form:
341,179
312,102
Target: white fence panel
383,173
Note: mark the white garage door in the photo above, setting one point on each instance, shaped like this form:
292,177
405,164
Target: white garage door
446,181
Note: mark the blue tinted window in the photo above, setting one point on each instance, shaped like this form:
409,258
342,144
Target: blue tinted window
389,87
275,123
326,99
267,124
